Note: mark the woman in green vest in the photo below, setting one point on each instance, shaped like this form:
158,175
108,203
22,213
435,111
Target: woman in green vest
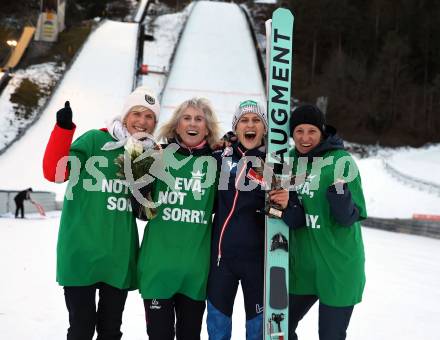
327,255
98,239
174,258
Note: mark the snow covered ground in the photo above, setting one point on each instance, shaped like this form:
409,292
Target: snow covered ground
387,197
422,163
403,271
400,300
215,59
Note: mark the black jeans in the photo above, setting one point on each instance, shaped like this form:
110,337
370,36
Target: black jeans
333,321
223,284
19,207
180,315
84,317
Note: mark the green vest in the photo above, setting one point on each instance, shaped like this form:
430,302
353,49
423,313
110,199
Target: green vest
175,251
327,259
97,239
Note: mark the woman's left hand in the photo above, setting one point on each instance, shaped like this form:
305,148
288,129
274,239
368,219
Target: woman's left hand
280,196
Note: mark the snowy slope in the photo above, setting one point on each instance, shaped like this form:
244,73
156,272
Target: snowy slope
422,163
215,59
96,85
400,300
389,198
401,294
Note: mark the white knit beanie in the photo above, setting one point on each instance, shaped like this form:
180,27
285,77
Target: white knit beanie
249,106
142,96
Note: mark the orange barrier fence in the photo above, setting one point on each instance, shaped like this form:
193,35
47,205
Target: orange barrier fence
425,217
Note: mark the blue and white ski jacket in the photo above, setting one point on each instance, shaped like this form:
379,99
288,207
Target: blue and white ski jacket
238,228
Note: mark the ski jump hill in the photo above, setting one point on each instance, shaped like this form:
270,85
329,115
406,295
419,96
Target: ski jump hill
215,58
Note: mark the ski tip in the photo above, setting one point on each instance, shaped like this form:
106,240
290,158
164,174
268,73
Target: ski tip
282,12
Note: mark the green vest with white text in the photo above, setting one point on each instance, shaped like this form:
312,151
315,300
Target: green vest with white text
327,259
97,239
175,251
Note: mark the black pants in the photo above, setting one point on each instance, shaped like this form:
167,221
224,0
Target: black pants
84,317
333,321
179,315
223,283
19,206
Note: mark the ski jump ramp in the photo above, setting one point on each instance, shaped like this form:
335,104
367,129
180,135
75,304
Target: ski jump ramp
215,59
22,44
96,88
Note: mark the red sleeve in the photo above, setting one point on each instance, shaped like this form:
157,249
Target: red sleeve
57,147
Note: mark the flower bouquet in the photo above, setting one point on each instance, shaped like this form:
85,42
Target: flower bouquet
134,166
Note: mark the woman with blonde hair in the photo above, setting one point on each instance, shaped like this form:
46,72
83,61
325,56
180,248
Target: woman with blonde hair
174,259
168,130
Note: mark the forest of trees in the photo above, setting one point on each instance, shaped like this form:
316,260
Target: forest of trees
377,62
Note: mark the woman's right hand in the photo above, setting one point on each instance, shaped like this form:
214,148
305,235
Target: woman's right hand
280,197
64,117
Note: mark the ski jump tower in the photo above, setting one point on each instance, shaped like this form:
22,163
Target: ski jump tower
50,20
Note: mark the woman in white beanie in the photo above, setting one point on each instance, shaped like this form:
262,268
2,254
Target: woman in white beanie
139,115
98,239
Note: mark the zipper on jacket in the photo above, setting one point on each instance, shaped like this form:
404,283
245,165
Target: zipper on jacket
234,202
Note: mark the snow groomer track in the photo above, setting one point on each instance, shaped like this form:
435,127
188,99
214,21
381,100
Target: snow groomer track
215,59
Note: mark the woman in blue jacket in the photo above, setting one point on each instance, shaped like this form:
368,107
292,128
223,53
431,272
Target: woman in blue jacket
237,251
